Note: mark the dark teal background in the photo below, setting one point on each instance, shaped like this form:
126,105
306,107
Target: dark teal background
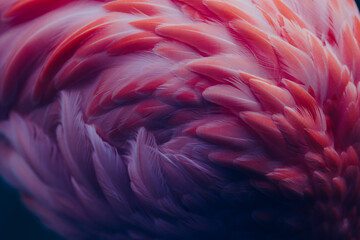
16,223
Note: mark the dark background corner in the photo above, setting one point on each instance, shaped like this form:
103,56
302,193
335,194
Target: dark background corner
16,222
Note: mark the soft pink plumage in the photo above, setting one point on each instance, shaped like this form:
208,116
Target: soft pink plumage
174,119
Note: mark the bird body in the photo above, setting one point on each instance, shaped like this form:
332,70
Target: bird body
173,119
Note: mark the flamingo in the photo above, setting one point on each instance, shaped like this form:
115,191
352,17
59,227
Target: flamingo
183,119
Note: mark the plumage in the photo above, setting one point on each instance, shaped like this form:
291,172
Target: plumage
183,119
